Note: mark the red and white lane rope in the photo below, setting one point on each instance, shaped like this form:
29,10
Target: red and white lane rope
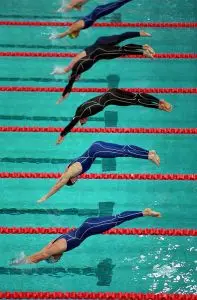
98,90
38,129
104,24
114,231
104,176
95,296
64,54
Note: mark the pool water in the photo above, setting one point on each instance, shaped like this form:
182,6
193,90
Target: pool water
101,263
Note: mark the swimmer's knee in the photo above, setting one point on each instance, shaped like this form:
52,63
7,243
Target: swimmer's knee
96,143
94,147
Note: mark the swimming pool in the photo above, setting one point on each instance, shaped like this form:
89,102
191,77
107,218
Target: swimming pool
101,263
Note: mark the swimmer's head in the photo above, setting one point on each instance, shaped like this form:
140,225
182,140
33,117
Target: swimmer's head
54,258
83,121
72,181
74,35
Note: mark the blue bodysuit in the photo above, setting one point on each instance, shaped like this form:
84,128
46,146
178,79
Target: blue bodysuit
108,150
101,11
96,225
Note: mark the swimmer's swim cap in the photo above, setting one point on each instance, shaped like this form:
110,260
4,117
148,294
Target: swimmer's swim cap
72,36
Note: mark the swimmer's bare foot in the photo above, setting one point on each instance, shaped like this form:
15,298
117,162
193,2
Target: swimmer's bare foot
144,33
152,155
164,105
148,54
148,212
149,48
59,140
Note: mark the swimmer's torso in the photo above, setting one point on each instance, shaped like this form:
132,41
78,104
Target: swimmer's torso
97,225
108,150
112,97
87,158
101,52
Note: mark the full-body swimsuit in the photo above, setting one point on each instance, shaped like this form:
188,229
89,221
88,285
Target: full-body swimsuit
99,53
101,11
111,40
112,97
107,150
96,225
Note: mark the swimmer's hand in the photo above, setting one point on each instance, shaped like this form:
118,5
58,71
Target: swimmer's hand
44,198
59,140
61,9
58,70
62,98
21,260
54,36
143,33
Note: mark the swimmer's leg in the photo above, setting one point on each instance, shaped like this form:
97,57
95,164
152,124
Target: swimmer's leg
106,9
103,10
153,102
117,38
147,100
133,49
109,150
99,225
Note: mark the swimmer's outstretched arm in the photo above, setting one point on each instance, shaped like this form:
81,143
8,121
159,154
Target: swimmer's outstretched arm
73,171
74,28
51,249
74,76
71,65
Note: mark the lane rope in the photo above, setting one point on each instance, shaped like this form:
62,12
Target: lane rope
95,296
101,130
105,176
70,54
98,90
114,231
104,24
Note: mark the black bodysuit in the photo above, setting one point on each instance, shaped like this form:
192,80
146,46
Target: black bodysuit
112,97
111,40
104,48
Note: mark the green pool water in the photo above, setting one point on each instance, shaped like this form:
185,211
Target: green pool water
101,263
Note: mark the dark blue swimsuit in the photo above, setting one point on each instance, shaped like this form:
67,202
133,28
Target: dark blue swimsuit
97,225
111,40
108,150
101,11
